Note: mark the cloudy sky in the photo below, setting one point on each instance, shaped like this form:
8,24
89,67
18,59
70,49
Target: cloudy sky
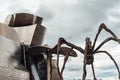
75,20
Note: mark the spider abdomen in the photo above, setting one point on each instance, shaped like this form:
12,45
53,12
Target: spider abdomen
89,59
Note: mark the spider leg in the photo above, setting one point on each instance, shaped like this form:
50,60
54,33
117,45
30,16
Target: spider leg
58,49
85,60
84,72
93,71
71,45
49,55
65,60
105,41
63,41
103,26
111,59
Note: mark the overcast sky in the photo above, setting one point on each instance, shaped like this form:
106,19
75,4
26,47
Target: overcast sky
75,20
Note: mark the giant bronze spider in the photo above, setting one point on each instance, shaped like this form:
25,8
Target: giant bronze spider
88,52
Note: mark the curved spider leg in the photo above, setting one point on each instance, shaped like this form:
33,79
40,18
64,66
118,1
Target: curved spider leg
72,45
63,41
103,26
58,49
112,60
108,30
85,61
75,47
50,58
105,41
65,60
84,72
93,71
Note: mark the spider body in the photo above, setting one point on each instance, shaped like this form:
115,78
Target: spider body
89,51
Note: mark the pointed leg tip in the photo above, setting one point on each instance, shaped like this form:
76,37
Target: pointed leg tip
102,24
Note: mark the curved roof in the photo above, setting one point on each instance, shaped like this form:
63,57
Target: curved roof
22,19
42,49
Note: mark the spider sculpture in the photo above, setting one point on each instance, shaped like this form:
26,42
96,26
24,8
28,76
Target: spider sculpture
88,52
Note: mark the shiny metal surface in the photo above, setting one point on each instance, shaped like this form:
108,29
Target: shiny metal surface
22,19
28,26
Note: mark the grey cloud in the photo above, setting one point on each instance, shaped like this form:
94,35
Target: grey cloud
110,67
114,14
78,21
107,74
74,68
16,8
116,28
45,12
75,23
